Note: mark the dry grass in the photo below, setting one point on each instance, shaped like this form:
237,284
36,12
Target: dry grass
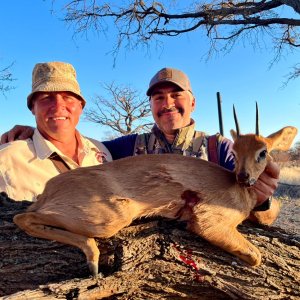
290,175
289,182
288,192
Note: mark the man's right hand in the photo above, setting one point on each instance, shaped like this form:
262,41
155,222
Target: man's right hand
18,132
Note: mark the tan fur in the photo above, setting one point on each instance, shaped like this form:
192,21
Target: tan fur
266,217
98,201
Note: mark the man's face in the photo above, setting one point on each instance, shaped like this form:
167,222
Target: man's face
57,113
171,107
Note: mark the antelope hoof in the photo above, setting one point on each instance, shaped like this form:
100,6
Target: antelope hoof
93,267
252,257
257,261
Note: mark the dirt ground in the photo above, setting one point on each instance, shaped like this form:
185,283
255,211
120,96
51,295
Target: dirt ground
289,218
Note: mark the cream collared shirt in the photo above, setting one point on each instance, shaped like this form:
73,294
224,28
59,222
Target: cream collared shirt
25,166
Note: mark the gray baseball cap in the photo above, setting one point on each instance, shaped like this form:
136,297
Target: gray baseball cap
170,75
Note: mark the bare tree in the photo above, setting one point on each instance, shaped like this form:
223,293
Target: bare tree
223,21
125,112
5,79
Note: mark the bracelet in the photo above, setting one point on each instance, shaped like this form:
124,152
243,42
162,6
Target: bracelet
264,206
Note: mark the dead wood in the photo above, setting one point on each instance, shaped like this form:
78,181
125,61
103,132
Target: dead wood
151,259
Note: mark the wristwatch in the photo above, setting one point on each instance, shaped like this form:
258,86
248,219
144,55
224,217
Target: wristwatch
264,206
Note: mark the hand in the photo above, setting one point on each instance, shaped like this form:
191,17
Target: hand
267,182
18,132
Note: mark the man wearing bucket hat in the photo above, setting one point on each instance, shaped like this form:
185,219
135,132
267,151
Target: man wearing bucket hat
172,103
56,146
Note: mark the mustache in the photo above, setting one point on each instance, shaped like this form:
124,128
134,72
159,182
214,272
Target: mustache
168,110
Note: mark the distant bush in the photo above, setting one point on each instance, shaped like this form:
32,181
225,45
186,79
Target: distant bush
281,156
295,151
288,158
290,175
289,183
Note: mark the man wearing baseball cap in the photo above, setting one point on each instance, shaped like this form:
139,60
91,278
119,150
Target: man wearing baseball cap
172,103
56,146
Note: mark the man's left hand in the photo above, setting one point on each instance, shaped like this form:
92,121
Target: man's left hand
267,182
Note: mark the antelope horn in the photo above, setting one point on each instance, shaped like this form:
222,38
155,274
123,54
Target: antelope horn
257,121
236,122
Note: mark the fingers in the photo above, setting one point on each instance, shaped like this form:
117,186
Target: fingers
13,134
267,182
4,138
18,132
272,169
26,133
264,190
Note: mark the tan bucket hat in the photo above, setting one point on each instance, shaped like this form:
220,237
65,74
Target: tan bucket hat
54,77
170,75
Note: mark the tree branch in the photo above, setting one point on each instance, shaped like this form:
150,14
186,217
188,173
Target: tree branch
5,78
125,112
138,22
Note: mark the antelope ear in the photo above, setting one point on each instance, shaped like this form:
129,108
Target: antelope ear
282,139
233,134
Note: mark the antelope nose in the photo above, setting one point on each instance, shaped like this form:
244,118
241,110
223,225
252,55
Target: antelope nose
243,177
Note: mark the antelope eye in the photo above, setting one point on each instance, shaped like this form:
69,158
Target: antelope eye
262,155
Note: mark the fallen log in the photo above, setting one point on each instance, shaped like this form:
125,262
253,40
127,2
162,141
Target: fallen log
151,259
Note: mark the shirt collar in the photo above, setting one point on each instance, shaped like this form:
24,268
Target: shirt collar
44,148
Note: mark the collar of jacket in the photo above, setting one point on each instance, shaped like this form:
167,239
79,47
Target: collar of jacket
183,138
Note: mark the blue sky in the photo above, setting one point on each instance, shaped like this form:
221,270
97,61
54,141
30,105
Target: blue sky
31,34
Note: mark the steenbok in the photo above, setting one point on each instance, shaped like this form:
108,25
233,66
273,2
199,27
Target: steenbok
98,201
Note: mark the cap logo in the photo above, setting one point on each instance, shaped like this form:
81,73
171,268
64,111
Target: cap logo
163,74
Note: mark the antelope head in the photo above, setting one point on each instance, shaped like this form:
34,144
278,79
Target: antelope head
252,151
